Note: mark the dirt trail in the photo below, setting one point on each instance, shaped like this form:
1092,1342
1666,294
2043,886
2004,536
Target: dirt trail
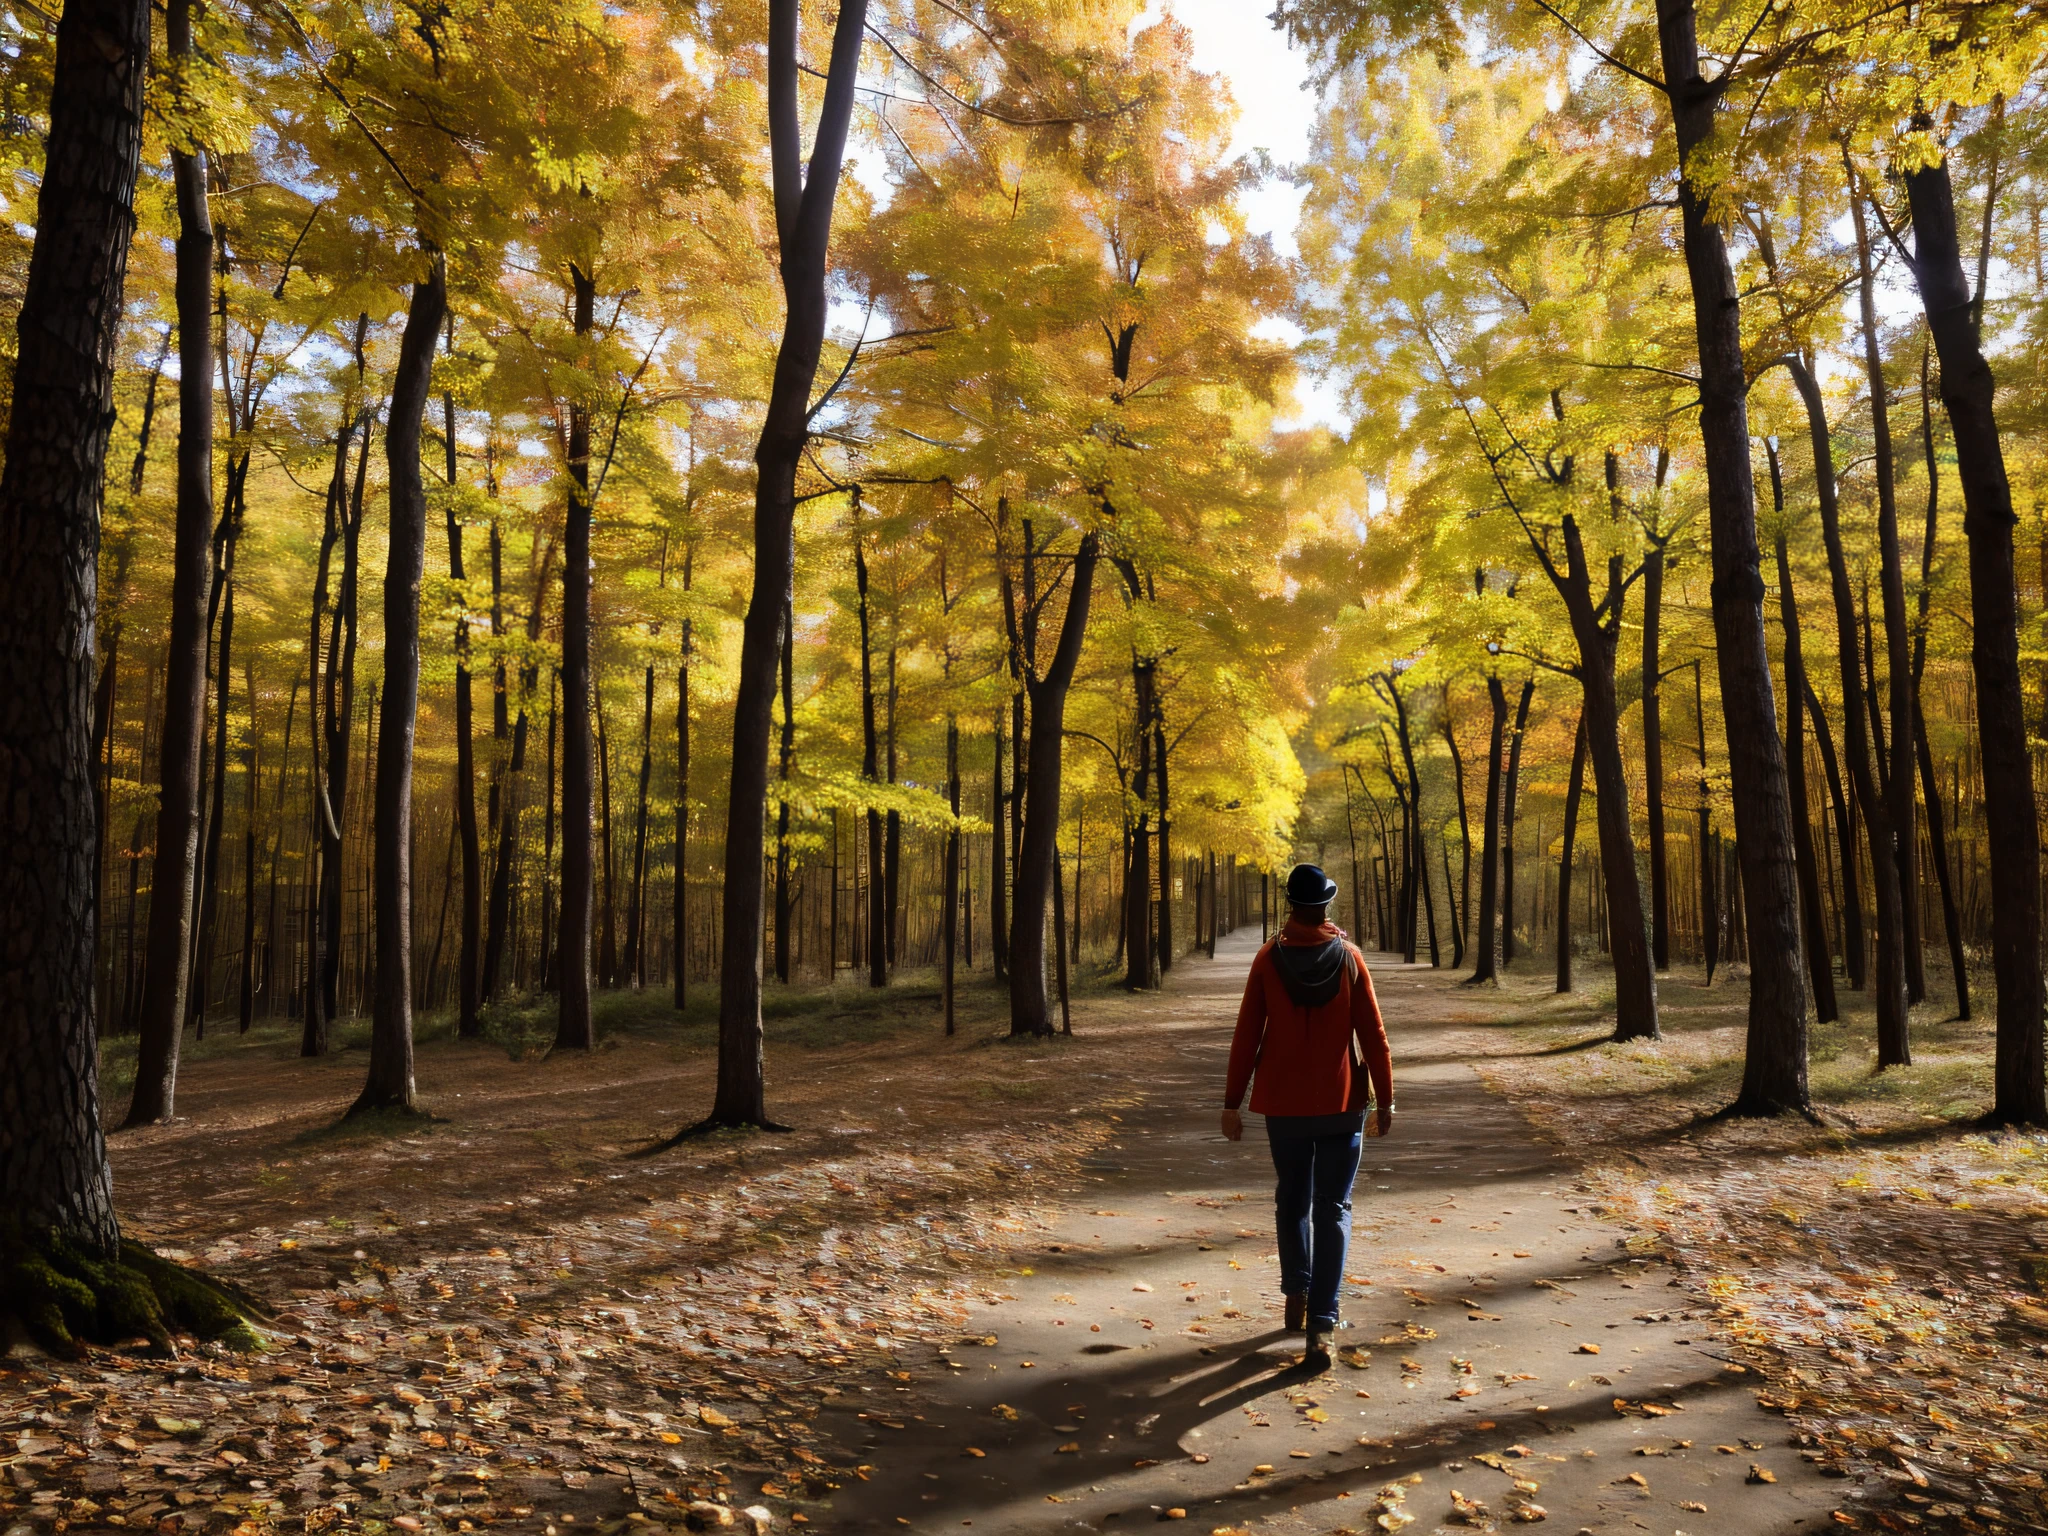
1519,1352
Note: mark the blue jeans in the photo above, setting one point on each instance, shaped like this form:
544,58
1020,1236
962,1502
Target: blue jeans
1313,1207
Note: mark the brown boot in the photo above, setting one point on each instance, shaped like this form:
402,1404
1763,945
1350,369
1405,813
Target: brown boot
1297,1314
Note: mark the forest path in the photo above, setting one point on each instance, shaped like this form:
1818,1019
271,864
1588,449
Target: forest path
1478,1282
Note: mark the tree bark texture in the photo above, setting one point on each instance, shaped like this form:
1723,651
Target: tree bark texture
53,1160
803,219
1893,1045
575,1029
167,967
1763,817
390,1079
1029,1014
1968,393
1574,788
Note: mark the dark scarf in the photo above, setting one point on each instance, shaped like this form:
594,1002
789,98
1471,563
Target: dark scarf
1311,974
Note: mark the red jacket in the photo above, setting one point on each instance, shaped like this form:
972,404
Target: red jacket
1303,1056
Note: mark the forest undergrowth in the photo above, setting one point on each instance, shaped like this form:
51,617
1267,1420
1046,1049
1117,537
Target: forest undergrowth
505,1315
1885,1269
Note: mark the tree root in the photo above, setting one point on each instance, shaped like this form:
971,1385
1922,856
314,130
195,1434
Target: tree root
67,1296
710,1125
1747,1108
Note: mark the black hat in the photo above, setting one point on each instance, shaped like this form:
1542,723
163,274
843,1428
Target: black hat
1308,886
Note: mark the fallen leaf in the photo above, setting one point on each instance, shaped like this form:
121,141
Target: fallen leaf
1760,1474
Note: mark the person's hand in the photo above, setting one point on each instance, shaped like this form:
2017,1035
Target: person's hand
1383,1120
1233,1125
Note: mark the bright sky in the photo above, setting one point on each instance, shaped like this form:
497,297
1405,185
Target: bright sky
1276,113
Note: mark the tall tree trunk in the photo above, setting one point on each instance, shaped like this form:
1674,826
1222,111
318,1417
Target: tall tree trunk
341,709
1819,968
216,815
1165,843
1968,393
682,877
245,990
1138,969
871,765
1486,943
635,960
1930,786
785,750
1653,748
1851,923
167,966
53,1158
608,910
998,858
1464,839
1756,755
498,913
1706,847
1508,794
1893,1044
1574,788
389,1084
1357,890
1028,1011
892,824
550,938
803,217
575,1029
952,896
1598,636
1897,787
469,982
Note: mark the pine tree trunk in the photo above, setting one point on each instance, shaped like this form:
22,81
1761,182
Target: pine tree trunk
1968,393
167,967
53,1160
390,1079
575,1030
1763,819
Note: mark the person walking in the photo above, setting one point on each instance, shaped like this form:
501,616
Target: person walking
1308,1023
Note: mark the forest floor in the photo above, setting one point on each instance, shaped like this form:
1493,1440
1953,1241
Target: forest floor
1025,1286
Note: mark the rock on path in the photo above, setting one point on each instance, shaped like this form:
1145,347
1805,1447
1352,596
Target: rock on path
1505,1361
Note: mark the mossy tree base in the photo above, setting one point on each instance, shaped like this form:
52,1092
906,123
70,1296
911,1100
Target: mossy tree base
67,1296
